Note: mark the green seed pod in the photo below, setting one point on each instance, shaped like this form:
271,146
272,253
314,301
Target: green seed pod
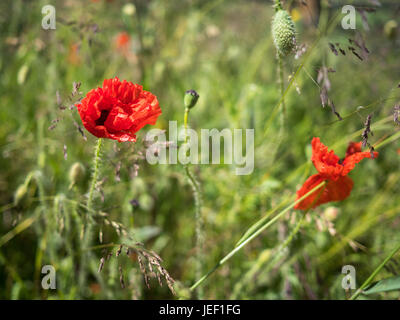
76,174
190,99
283,32
390,29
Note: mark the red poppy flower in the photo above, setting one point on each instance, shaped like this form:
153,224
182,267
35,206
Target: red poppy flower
353,147
122,40
118,110
332,170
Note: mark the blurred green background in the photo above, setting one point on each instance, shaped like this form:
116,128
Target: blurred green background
222,49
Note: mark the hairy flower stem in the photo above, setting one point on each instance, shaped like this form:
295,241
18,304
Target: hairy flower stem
96,165
198,217
87,237
282,89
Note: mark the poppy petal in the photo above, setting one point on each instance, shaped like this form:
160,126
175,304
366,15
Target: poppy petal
350,162
337,190
325,161
311,200
353,147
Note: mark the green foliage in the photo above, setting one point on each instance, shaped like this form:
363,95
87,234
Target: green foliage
384,285
224,50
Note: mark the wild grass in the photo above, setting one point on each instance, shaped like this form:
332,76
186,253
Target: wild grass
143,216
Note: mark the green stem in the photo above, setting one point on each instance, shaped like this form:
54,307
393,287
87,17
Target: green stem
254,235
96,164
282,108
198,217
185,122
374,274
282,89
88,222
278,5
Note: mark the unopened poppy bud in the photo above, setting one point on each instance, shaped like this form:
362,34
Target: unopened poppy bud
76,173
21,194
190,99
283,32
390,29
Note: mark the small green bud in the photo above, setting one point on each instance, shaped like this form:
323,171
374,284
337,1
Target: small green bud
190,98
76,174
283,32
390,29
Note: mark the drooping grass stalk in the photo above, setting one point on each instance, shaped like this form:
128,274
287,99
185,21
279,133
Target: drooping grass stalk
198,216
254,235
374,274
87,237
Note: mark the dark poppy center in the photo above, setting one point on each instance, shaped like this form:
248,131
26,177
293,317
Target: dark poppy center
103,117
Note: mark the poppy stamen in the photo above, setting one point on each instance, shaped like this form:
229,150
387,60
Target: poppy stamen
103,117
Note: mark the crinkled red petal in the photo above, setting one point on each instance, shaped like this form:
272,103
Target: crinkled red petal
333,190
